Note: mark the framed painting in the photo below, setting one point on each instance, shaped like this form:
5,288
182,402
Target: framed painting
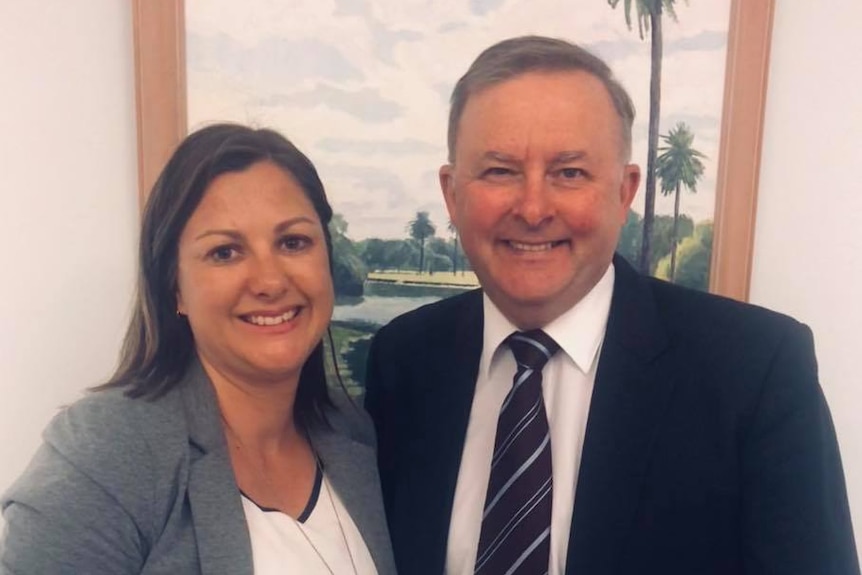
362,86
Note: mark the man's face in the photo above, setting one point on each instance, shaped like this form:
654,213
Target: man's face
539,191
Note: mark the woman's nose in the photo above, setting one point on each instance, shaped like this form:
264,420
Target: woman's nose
267,277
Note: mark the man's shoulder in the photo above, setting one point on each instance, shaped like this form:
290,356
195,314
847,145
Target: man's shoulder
685,299
685,309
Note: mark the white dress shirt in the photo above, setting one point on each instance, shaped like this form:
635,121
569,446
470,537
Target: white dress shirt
567,386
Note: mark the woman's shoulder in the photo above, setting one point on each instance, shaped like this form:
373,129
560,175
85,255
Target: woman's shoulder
107,471
348,417
109,423
128,448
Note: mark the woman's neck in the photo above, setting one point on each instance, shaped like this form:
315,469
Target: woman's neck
260,415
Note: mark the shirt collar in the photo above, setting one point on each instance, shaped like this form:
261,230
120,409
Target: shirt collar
579,331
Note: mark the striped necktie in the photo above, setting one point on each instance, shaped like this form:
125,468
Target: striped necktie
516,521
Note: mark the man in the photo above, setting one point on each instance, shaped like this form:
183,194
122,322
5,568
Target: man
673,432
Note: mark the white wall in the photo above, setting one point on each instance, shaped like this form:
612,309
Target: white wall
808,248
68,208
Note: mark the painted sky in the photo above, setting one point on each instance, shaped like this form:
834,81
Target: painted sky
362,86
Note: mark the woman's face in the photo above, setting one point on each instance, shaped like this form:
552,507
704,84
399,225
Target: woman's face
254,276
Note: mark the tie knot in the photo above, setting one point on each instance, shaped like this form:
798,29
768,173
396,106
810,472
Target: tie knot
532,349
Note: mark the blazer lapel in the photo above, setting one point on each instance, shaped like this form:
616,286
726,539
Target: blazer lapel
224,545
350,468
447,386
631,392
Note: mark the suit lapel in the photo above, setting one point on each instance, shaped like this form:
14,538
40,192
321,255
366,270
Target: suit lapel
630,395
222,536
448,380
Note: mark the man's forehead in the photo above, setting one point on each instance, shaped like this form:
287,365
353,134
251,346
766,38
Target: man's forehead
584,79
535,94
565,110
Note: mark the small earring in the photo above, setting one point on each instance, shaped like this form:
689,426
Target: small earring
179,313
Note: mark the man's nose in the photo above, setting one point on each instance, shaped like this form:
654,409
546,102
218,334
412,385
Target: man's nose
535,202
268,277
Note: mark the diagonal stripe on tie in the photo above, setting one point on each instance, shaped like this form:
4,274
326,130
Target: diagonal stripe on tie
516,521
520,426
510,480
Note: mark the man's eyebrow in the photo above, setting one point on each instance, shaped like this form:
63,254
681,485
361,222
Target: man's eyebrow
498,157
569,156
560,158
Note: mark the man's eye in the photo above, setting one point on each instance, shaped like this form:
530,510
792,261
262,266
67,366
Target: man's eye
498,172
295,243
571,173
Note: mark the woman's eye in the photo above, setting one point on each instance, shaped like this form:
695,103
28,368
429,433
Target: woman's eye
295,243
223,253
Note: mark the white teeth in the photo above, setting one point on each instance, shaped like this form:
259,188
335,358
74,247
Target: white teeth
270,320
532,247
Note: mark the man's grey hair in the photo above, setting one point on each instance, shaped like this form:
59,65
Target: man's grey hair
517,56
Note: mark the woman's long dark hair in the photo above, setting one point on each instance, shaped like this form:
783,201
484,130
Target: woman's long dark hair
159,345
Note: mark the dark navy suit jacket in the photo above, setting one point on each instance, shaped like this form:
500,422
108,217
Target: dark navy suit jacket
709,446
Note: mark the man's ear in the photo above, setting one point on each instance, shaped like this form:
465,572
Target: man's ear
447,186
629,187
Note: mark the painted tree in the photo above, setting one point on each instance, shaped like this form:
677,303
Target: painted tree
419,229
348,269
678,165
649,17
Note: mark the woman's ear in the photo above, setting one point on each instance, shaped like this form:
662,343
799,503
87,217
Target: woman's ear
181,306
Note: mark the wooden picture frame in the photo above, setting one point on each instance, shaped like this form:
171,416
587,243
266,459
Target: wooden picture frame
159,33
160,84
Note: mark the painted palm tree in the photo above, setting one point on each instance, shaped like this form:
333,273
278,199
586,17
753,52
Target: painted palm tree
649,14
419,229
454,231
678,165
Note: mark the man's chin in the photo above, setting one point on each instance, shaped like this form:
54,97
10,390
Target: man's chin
527,310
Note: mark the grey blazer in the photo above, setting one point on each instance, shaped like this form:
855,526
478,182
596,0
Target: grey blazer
132,486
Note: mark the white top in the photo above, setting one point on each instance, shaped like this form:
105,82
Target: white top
278,545
567,386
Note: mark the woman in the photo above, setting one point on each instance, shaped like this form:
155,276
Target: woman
216,447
